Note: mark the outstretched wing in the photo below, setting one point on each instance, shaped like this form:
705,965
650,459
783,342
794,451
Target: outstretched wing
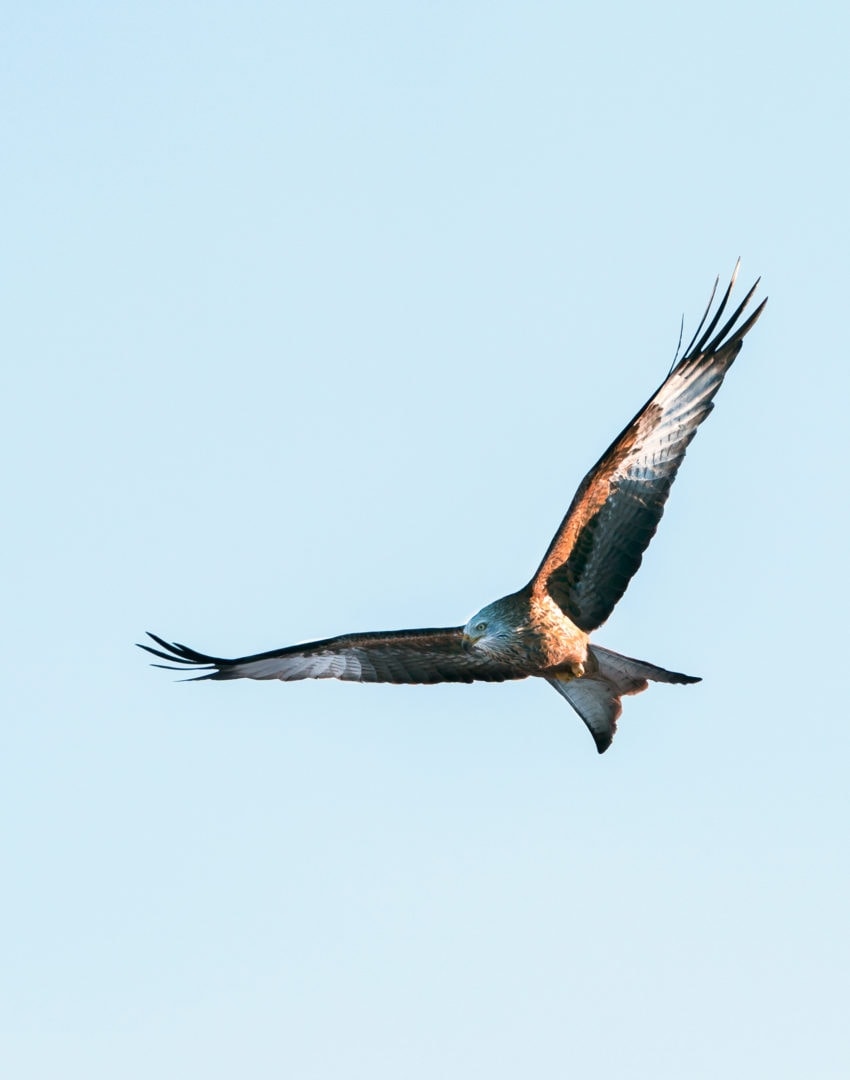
404,656
616,510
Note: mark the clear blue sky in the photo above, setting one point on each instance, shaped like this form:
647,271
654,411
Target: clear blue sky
314,315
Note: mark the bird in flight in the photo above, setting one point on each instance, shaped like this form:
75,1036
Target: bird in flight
543,629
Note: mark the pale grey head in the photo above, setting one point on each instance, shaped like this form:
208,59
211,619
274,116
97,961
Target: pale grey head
499,630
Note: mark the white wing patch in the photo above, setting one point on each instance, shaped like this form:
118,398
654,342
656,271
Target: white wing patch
290,668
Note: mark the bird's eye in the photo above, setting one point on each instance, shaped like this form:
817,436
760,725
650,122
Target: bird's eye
480,627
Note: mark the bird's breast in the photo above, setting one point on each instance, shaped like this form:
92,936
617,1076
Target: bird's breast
561,644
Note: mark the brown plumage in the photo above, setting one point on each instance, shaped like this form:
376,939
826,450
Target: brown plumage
542,630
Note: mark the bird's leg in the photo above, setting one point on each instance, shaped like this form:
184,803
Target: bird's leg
571,670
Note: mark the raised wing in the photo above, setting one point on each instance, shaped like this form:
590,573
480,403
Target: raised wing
404,656
616,510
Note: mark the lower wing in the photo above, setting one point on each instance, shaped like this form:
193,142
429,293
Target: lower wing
403,656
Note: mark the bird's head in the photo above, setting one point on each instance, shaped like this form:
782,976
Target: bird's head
488,631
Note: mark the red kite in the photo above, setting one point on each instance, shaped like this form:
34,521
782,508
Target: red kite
543,629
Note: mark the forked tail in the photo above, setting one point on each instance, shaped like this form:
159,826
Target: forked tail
608,676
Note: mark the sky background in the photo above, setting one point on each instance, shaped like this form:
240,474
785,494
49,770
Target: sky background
313,317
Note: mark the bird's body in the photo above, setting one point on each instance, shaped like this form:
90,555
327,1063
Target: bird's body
543,629
530,632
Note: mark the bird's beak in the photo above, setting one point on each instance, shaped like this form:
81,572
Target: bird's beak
466,642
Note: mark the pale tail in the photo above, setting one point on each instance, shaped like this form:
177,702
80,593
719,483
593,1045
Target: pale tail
596,695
